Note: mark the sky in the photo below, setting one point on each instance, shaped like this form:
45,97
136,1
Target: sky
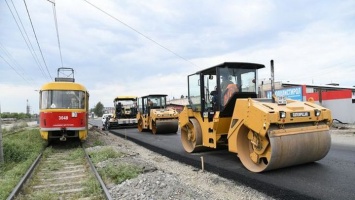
146,47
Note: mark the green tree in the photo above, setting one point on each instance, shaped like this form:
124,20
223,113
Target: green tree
99,109
16,115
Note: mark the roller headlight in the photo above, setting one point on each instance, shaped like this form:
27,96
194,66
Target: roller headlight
282,114
317,113
74,114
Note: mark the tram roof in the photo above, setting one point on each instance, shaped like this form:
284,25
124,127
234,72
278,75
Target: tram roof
63,86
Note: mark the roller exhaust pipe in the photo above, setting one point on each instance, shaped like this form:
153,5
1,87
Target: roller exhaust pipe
272,81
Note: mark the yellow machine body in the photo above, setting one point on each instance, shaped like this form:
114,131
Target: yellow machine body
265,135
124,114
153,115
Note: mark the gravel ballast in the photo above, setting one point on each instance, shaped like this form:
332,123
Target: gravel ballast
163,178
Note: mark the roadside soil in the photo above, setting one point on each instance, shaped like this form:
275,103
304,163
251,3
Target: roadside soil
163,178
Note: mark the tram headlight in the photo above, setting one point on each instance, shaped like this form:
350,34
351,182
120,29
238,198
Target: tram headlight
74,114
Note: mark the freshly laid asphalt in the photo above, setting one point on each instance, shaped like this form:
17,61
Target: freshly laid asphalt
333,177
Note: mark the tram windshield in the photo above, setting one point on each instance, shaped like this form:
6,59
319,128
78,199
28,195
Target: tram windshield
63,99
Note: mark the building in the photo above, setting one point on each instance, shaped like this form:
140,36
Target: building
177,104
340,100
107,110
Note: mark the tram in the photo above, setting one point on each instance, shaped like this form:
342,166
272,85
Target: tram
63,106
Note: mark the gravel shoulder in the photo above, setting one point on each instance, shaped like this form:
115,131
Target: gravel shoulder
164,178
343,134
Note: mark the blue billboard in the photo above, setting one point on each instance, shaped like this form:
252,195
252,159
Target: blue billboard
294,93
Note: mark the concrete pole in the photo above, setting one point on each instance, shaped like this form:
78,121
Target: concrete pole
1,147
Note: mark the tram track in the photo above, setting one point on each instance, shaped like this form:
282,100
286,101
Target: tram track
61,172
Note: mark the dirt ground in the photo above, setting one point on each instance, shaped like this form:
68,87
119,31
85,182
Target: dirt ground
164,178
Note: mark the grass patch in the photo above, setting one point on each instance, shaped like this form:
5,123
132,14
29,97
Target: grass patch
17,127
98,143
93,189
42,195
75,155
113,173
55,165
94,139
119,173
104,154
20,150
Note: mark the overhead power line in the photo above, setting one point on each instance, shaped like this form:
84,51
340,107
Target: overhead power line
34,32
140,33
20,71
28,43
15,70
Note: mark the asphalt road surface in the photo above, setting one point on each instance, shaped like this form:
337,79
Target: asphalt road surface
333,177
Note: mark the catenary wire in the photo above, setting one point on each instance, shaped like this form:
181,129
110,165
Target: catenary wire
28,43
30,46
34,32
56,28
140,33
15,70
15,63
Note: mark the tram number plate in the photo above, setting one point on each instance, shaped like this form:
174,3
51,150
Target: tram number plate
63,117
300,114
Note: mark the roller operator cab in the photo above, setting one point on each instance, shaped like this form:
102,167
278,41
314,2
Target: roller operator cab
63,106
155,116
223,111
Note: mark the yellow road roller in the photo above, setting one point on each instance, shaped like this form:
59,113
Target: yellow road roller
266,134
155,116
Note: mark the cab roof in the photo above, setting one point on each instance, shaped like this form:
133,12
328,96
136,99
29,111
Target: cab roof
151,95
236,65
125,98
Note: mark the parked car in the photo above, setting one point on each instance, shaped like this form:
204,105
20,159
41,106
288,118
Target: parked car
104,116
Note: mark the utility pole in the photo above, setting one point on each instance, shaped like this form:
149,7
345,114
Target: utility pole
1,147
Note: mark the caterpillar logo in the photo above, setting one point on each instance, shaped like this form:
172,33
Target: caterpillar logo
300,114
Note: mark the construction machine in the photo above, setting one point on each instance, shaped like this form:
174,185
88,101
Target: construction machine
266,134
125,110
154,115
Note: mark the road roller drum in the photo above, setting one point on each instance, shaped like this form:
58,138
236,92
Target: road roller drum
266,134
166,126
284,150
155,116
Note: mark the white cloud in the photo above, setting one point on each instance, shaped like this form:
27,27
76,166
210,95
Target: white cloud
307,41
14,98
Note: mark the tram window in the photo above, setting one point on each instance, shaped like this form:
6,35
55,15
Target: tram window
63,99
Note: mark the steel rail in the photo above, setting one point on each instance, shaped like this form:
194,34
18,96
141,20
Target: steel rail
23,180
102,184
